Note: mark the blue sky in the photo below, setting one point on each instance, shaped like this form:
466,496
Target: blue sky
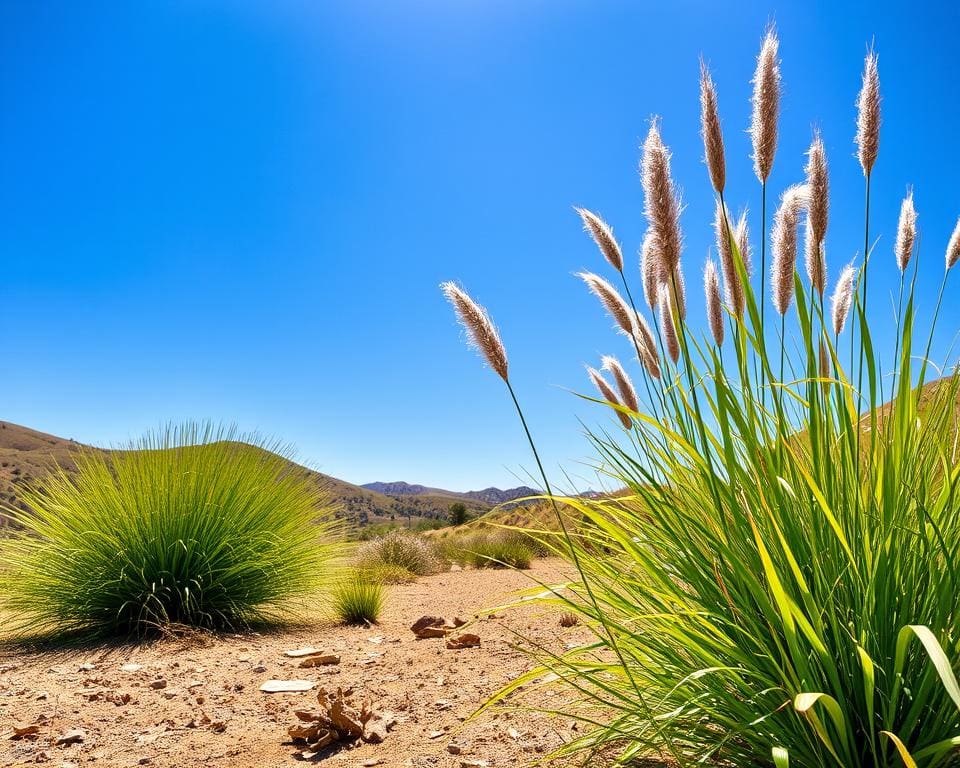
241,211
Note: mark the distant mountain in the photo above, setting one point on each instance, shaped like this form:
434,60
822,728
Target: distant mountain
401,488
27,455
491,496
496,496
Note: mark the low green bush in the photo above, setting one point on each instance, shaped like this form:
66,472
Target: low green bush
358,600
195,525
401,549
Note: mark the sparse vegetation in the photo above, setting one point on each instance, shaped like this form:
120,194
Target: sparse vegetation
358,600
188,526
487,547
389,574
399,549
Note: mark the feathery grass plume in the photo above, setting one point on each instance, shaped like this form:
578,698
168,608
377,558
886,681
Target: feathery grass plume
842,299
953,247
661,202
742,236
868,115
711,288
766,106
733,288
667,325
824,361
906,232
651,268
608,394
678,291
628,395
817,211
648,347
482,334
784,237
611,300
710,130
603,236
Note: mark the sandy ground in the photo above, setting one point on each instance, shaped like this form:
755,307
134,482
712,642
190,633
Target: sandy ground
209,709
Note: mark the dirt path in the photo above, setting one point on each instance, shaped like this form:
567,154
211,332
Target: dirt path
210,709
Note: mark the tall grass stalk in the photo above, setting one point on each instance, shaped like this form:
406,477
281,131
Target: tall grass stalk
768,588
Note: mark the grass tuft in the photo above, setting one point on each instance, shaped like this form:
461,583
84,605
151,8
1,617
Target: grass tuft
194,525
358,600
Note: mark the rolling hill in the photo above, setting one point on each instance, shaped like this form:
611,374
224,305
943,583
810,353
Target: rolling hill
487,495
26,455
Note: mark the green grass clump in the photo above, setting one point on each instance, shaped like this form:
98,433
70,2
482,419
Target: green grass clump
488,548
401,549
195,525
775,581
358,600
497,551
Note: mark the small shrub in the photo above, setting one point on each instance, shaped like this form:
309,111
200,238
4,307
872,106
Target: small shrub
358,600
458,513
489,548
398,548
189,526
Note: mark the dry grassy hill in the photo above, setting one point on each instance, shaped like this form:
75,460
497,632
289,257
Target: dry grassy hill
26,455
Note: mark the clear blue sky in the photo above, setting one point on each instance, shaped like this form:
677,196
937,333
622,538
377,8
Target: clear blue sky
241,210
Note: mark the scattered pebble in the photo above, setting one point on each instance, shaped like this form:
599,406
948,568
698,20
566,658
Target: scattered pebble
287,686
76,736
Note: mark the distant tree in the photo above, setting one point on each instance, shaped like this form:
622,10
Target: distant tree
458,513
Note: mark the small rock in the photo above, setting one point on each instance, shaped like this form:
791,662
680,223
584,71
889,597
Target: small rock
474,764
145,761
320,660
287,686
463,641
76,736
430,626
25,731
259,669
457,749
131,668
88,667
158,684
299,652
